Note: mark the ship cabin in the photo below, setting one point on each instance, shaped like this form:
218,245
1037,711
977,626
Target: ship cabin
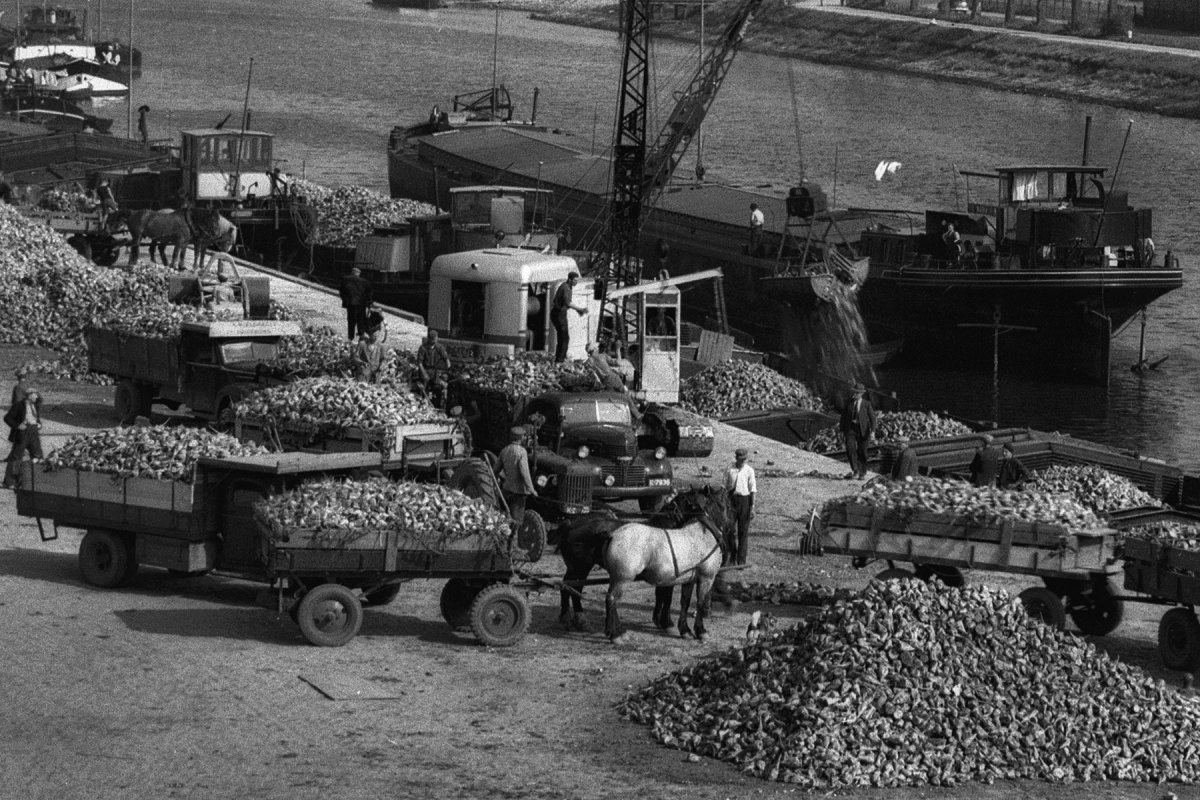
1046,217
501,216
222,164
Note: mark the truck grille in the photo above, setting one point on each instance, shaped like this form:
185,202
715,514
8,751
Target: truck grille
626,474
576,490
615,450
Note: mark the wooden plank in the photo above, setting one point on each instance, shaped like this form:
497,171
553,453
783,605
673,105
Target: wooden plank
714,348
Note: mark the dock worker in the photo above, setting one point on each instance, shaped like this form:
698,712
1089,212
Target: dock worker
144,124
368,358
757,221
858,423
355,292
433,365
279,187
24,422
564,301
518,483
985,466
1012,471
908,464
742,487
108,203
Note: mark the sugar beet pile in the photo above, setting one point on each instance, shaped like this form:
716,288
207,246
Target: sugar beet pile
908,684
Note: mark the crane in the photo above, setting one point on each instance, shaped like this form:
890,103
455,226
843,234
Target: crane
640,173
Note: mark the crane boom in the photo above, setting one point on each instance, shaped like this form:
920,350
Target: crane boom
639,174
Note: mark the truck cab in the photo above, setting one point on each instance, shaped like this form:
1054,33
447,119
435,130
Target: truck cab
586,447
208,367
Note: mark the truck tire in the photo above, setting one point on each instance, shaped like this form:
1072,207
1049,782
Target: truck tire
1179,640
130,401
382,596
106,558
474,479
653,504
1045,605
499,616
329,615
457,598
1097,611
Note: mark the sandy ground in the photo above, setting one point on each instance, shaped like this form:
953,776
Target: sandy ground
186,688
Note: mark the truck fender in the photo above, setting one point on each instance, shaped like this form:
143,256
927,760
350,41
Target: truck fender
226,398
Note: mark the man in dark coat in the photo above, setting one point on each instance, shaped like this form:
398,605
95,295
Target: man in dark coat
1012,471
985,466
356,296
858,425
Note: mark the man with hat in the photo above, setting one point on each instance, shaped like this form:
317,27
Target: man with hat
858,425
564,302
1012,471
108,203
742,486
355,292
985,466
518,483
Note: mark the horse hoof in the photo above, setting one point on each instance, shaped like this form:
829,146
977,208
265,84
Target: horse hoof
579,624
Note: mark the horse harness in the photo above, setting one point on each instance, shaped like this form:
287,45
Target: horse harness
711,528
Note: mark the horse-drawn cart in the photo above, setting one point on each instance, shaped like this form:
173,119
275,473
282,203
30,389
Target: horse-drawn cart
1075,566
317,575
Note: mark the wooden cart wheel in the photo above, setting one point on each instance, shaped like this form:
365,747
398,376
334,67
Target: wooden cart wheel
1097,611
457,597
329,615
951,576
499,616
531,536
1043,604
1179,640
129,402
106,558
895,574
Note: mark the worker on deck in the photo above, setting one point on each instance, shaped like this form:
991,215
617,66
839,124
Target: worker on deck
564,301
279,187
757,221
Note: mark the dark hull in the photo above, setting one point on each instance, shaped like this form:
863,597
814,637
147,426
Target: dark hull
704,226
1055,322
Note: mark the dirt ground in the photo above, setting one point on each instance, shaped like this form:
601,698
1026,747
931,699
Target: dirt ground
186,688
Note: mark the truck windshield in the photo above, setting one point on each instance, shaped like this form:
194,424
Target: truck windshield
592,411
242,352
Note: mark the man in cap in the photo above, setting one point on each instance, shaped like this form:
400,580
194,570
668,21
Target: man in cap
433,364
985,466
564,302
518,483
742,486
108,203
24,422
1012,471
858,425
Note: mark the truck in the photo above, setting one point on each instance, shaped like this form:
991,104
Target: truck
208,367
583,446
208,524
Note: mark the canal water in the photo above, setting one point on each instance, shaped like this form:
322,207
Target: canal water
331,77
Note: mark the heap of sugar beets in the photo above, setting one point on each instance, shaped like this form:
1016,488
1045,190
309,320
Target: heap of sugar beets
910,684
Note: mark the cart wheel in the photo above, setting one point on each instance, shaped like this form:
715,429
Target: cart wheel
329,615
1043,604
499,616
1179,640
1097,611
106,558
457,597
951,576
531,536
895,574
383,595
129,402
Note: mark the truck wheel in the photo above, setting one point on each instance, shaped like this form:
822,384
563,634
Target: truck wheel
475,480
950,576
895,574
1098,611
1043,604
329,615
457,597
1179,640
531,536
130,401
106,558
499,616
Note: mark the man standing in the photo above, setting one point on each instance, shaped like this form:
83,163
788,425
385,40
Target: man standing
108,203
24,421
6,191
518,483
742,486
433,364
858,426
356,296
368,358
757,220
564,302
144,124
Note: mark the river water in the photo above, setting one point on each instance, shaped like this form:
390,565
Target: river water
331,77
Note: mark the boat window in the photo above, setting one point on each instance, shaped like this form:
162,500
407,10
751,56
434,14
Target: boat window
472,208
1030,186
1058,186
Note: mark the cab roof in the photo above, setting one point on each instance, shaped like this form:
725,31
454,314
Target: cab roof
503,265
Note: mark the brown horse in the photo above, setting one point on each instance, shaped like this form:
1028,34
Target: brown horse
164,227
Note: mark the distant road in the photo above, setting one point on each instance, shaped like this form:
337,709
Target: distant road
1111,44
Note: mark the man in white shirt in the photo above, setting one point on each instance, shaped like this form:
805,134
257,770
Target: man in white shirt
757,220
741,485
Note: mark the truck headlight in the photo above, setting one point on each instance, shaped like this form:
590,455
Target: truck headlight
609,480
583,451
660,453
542,481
